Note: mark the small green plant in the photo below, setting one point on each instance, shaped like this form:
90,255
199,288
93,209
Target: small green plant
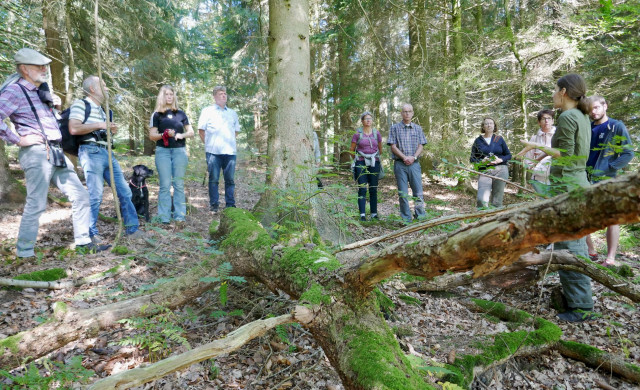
158,333
283,334
60,375
224,277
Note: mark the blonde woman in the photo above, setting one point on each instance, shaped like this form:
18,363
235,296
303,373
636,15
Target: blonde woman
170,128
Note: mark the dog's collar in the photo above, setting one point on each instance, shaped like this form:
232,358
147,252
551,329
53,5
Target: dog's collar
142,186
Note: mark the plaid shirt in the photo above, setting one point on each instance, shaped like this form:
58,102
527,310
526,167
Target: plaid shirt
407,138
15,106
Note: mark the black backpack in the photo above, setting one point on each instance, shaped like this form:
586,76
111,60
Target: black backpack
70,142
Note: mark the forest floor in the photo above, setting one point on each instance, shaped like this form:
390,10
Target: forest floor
432,327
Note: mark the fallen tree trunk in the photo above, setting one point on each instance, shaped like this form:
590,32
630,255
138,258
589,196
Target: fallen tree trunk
597,358
229,343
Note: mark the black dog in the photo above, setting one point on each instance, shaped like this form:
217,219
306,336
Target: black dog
139,191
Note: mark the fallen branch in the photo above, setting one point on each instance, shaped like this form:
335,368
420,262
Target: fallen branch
67,283
230,343
599,359
496,178
560,260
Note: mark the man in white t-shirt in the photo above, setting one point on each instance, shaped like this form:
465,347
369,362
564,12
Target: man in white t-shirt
218,127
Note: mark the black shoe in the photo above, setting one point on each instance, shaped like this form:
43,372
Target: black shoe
214,207
363,218
90,248
375,217
577,315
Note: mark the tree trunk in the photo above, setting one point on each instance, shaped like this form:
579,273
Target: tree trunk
290,141
50,24
10,190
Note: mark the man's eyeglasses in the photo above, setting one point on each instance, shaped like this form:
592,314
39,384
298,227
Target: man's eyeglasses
546,119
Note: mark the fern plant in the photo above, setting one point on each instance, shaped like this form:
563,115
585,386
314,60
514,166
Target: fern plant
59,375
158,334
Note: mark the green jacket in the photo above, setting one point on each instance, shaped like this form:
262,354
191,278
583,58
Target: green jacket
573,138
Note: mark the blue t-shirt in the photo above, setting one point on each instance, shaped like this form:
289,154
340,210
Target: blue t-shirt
597,137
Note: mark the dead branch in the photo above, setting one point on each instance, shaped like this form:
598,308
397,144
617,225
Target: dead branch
64,284
560,260
230,343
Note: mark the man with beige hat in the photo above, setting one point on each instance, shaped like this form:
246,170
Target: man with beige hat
26,100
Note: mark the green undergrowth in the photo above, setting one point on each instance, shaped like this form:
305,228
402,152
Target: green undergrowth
10,343
504,344
409,300
376,360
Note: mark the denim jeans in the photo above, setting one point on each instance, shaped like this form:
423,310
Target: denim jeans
490,190
226,162
95,164
38,173
409,175
576,287
367,176
171,164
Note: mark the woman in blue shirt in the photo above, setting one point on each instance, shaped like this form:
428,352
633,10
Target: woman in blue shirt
490,154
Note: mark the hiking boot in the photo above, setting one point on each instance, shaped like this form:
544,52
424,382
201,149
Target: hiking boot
214,208
137,235
179,225
97,239
91,248
577,315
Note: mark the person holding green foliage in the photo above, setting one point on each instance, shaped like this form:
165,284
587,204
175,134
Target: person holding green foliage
570,147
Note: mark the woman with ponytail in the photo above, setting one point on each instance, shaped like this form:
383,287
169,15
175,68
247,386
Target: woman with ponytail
570,147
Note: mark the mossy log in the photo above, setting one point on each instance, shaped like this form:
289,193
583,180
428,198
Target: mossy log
349,327
597,358
54,284
69,325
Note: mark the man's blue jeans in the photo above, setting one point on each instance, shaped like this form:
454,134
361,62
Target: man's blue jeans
171,164
226,163
95,164
409,175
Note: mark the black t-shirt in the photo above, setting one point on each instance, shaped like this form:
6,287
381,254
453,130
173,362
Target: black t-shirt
175,120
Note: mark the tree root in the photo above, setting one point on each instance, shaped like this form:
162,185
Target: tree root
230,343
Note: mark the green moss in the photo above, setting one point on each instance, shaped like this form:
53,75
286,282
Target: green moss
585,350
301,263
120,250
45,275
213,227
504,344
60,307
316,295
410,300
384,303
246,232
377,361
10,343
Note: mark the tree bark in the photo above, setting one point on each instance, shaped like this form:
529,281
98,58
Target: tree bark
51,26
11,191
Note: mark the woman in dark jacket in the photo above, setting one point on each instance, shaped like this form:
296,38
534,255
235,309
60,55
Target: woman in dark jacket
490,154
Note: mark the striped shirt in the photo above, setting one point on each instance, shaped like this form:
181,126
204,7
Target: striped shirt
407,138
96,115
15,106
